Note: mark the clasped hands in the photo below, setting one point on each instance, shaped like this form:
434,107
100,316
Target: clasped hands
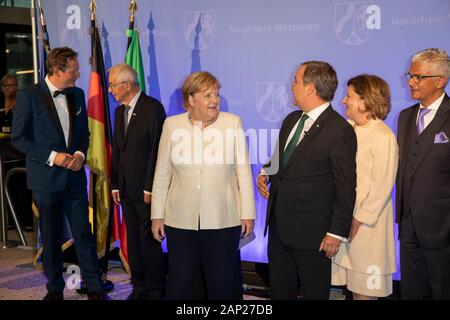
71,162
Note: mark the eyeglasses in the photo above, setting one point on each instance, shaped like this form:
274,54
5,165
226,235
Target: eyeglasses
115,85
417,78
9,85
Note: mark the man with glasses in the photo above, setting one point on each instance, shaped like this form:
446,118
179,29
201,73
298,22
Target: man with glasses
423,180
137,129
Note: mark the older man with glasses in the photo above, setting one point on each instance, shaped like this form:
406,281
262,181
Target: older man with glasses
423,180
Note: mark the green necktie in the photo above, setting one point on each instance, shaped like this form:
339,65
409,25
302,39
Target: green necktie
294,141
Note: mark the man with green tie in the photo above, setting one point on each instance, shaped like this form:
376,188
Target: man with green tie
312,192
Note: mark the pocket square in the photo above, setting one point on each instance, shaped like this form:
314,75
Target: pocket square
440,137
78,112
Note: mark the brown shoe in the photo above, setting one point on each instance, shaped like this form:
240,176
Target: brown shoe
98,295
54,295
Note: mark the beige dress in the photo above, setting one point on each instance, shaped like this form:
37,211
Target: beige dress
367,263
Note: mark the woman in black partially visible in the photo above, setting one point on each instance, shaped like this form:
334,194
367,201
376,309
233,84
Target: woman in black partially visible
9,90
21,196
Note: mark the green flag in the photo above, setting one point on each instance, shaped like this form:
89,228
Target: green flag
134,57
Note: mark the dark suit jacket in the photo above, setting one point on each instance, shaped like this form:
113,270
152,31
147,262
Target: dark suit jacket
315,192
429,188
134,155
36,131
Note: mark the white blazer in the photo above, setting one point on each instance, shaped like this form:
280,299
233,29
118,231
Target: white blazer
203,178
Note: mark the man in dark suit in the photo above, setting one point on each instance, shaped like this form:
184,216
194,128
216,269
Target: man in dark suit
137,129
423,180
312,188
50,127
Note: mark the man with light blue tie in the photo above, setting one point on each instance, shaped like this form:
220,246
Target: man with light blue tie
423,180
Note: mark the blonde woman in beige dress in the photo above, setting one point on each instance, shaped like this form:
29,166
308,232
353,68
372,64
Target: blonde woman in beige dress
366,262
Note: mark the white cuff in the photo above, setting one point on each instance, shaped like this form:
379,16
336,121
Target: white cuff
337,237
147,192
51,158
262,172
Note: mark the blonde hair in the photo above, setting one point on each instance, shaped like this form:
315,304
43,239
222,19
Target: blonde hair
197,82
375,93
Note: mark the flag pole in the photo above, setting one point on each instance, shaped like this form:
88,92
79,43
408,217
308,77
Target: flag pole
45,41
107,284
35,47
132,7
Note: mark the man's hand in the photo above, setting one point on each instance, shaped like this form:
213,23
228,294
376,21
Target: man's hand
147,198
247,226
76,163
261,183
330,245
354,229
158,229
62,159
116,197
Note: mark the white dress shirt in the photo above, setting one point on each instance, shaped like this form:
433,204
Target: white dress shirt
430,115
312,117
132,105
63,114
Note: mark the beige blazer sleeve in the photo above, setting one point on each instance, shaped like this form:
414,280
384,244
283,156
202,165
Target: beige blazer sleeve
382,178
163,175
244,174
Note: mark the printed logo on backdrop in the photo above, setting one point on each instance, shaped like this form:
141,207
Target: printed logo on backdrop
72,27
272,100
355,21
200,29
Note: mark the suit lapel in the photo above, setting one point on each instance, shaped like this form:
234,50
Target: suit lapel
50,105
409,133
137,109
312,133
284,134
427,136
71,108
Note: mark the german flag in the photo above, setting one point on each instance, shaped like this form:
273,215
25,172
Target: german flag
99,153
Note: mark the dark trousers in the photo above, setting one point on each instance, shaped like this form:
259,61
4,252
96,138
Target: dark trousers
425,274
289,266
146,258
200,286
74,204
215,250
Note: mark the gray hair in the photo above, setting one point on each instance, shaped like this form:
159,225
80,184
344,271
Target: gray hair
437,58
125,72
323,76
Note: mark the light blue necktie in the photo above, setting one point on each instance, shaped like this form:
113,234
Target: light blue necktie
421,123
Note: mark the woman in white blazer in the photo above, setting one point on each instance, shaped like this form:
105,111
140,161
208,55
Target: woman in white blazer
202,196
367,261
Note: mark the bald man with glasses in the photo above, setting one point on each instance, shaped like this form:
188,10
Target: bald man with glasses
423,180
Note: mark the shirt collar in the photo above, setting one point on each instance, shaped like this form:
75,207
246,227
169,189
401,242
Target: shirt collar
50,85
133,101
435,105
316,112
